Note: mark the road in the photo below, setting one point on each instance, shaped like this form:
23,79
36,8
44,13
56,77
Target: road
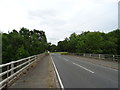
77,73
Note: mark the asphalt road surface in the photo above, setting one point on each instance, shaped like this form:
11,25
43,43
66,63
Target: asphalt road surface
77,73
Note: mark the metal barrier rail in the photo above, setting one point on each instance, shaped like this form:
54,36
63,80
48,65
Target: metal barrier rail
100,56
12,70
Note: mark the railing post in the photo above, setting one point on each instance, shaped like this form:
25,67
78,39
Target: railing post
113,57
35,58
29,60
7,71
84,54
12,66
90,55
99,56
28,63
1,76
7,75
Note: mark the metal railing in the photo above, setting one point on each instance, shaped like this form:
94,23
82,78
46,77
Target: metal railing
11,71
100,56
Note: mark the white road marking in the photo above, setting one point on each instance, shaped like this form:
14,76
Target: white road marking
83,67
99,65
65,59
60,81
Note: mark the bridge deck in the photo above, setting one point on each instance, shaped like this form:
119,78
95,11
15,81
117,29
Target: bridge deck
39,76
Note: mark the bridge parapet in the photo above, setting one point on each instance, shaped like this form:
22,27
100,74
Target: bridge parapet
99,56
13,70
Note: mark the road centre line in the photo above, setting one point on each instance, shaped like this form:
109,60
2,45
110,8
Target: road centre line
110,68
103,66
83,67
65,59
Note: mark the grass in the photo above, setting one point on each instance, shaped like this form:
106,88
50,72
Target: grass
62,53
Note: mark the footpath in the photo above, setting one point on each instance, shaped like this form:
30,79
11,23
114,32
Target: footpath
40,76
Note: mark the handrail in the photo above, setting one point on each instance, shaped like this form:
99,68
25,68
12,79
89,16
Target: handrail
1,74
99,56
10,67
15,61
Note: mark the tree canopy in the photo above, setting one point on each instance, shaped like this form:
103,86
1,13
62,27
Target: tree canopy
92,42
17,45
24,43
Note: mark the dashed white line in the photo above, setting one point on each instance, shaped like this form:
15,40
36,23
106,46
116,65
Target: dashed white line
99,65
83,67
60,81
65,59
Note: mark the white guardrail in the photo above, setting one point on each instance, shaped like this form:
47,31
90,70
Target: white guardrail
11,71
100,56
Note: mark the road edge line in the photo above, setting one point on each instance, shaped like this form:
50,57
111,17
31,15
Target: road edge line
59,79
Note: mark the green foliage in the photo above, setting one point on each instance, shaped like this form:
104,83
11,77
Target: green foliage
53,48
17,45
92,42
21,52
115,37
63,45
64,53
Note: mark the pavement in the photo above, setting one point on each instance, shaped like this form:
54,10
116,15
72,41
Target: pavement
80,72
40,76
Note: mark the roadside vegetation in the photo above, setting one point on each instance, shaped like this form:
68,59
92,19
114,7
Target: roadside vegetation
17,45
24,43
59,52
90,42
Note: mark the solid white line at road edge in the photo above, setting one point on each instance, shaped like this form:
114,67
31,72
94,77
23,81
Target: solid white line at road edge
61,84
83,67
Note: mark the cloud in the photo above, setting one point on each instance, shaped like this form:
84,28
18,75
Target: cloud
43,13
59,18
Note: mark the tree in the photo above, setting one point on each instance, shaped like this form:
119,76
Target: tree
17,45
72,43
53,48
92,42
21,53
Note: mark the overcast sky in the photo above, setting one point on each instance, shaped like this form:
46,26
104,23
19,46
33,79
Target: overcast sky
59,18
